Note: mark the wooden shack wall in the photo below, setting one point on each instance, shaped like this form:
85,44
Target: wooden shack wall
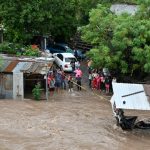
6,86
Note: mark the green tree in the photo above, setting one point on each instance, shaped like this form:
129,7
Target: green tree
120,42
85,6
23,19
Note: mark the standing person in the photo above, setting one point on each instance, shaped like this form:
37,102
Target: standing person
90,79
89,63
78,79
51,84
77,64
78,72
72,63
94,73
76,53
102,85
70,83
49,79
58,80
94,83
107,84
98,79
114,79
63,83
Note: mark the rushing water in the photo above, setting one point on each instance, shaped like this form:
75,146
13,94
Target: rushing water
67,121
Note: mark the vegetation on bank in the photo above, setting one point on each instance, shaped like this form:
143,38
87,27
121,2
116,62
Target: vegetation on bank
121,43
18,49
24,19
37,91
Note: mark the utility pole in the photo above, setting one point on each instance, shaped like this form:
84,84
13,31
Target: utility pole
45,38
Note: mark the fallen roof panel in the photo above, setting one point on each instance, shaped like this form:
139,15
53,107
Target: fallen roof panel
130,96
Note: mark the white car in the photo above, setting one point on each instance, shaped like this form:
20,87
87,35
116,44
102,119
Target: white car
63,60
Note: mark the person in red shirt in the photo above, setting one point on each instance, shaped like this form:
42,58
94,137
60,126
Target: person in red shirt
107,84
51,83
94,83
98,79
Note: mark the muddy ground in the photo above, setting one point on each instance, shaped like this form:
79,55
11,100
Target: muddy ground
67,121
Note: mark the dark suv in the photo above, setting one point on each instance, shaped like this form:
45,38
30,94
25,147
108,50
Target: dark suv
59,48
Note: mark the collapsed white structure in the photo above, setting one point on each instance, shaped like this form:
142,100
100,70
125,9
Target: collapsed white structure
129,97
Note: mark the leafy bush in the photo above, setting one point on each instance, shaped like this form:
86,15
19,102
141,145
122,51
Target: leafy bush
18,49
37,91
7,48
29,51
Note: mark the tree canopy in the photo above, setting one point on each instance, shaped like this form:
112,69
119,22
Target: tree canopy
23,19
119,42
84,6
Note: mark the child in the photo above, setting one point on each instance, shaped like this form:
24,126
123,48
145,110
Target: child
78,83
70,83
51,84
107,84
90,80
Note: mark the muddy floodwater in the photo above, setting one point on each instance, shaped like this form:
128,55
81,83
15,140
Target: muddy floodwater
67,121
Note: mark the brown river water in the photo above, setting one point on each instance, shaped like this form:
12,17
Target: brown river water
68,121
78,120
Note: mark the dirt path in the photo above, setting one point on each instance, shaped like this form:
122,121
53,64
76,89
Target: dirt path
67,121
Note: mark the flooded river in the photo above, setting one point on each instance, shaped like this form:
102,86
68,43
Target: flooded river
67,121
70,121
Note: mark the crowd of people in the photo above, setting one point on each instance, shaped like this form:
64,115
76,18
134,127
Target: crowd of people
58,79
99,81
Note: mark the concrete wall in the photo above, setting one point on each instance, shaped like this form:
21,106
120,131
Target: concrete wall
122,8
18,88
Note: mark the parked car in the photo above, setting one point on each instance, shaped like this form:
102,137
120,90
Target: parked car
63,60
59,48
81,55
65,47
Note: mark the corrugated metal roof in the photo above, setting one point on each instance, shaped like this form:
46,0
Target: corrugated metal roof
36,68
40,68
26,65
11,66
4,65
130,96
8,66
33,67
19,66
